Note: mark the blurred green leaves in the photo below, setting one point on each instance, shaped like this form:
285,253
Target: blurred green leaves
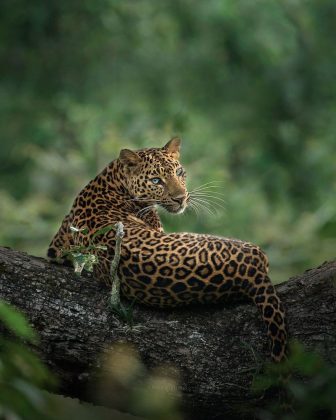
307,384
249,86
16,322
21,372
127,384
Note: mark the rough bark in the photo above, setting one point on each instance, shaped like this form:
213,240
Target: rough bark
212,346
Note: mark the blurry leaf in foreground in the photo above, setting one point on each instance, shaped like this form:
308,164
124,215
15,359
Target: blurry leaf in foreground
21,371
16,322
305,383
127,385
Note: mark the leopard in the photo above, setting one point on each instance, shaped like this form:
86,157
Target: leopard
159,269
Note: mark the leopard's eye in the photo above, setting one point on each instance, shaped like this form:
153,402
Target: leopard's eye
179,171
156,181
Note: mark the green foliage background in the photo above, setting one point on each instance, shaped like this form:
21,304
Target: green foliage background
249,86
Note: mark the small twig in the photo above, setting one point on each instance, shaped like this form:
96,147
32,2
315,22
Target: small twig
115,291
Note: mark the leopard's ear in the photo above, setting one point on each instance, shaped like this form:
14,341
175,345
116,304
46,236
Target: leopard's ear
129,158
173,147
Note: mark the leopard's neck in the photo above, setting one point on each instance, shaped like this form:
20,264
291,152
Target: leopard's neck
110,186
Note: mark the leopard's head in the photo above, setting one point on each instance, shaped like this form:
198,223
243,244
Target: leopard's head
156,177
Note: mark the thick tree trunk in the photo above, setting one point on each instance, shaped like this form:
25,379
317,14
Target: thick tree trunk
213,347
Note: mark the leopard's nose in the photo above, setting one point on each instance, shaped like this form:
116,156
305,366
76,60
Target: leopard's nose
179,199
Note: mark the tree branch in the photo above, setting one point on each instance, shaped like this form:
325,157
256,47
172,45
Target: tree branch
214,347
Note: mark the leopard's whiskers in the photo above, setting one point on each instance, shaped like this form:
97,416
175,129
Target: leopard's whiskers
193,207
209,196
146,209
212,201
206,205
208,190
201,205
211,184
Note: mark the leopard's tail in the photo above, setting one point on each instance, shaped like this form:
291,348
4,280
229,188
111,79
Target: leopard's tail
263,293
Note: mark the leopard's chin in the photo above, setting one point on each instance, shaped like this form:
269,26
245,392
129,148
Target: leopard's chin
175,209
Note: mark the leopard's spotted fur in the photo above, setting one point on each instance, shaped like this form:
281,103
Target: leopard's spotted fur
167,269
